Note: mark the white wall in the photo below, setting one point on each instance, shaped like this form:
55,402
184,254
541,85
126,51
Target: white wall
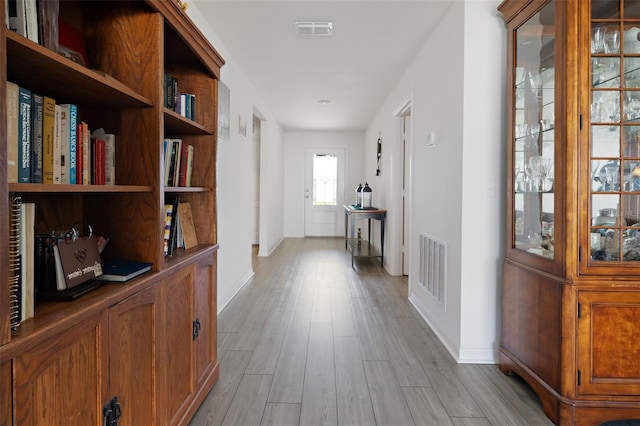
294,168
456,91
234,176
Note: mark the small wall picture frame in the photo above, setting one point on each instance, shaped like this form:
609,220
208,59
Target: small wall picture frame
242,126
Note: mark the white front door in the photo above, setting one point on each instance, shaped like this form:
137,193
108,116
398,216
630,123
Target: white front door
324,192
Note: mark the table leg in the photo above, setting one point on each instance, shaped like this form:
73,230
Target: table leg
382,241
353,236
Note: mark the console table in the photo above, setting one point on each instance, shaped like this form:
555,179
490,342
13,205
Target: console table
358,248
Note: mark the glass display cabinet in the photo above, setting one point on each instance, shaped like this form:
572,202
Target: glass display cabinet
571,275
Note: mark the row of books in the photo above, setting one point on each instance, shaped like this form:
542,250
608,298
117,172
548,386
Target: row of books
179,229
182,103
178,162
47,143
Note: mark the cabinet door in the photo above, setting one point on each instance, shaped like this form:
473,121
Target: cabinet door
206,316
535,120
62,380
609,343
610,213
134,339
178,330
5,394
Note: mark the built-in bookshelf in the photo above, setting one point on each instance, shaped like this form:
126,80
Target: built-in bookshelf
130,45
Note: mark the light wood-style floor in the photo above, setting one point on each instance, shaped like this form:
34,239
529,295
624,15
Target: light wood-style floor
310,341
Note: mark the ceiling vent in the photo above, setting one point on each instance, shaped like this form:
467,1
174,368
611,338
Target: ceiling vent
313,28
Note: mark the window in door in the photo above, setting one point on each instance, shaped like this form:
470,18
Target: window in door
325,180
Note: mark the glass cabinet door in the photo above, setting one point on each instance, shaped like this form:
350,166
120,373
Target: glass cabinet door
534,134
614,149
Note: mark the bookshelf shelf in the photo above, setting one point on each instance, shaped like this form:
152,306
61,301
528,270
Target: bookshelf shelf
79,189
183,189
174,123
42,70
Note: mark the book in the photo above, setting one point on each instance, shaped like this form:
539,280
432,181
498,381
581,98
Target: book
48,135
121,270
37,111
182,170
109,155
17,17
12,132
168,148
189,170
177,147
27,258
24,135
57,146
15,297
31,17
97,160
65,138
168,214
79,154
172,162
185,215
86,154
73,141
173,235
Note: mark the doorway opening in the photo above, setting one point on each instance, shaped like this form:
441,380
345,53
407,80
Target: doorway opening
255,179
404,115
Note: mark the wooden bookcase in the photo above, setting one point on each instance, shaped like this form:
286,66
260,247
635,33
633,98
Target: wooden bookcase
119,340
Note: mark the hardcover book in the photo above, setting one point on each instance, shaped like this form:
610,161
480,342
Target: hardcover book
121,270
24,135
37,111
48,135
12,132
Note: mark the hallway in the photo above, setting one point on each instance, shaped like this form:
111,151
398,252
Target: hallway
309,341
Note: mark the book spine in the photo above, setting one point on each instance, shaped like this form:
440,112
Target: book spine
48,135
79,154
98,161
37,106
109,159
65,137
24,135
57,146
86,154
172,162
177,146
12,132
73,141
189,171
168,213
14,262
184,157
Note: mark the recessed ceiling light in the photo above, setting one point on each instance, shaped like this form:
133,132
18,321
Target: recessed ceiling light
313,28
324,101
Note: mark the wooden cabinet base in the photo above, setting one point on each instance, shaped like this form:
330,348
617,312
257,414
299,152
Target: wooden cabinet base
566,411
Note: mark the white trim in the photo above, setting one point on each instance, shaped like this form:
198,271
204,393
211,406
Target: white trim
243,281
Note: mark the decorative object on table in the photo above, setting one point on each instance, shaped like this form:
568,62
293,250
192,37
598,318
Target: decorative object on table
367,196
358,196
379,153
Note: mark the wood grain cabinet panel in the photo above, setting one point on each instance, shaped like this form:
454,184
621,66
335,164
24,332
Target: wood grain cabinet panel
62,380
609,343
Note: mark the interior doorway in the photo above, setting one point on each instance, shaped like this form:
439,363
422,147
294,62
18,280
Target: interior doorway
324,192
404,115
255,179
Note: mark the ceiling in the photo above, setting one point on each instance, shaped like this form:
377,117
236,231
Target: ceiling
355,69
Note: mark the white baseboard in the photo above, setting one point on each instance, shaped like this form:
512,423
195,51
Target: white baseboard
235,290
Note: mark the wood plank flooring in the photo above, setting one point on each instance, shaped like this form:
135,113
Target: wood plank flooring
310,341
